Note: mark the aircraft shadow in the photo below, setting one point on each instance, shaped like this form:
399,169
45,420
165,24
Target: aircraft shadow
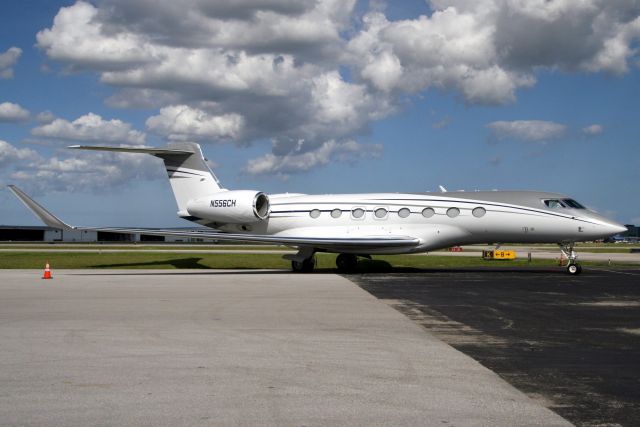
364,267
176,263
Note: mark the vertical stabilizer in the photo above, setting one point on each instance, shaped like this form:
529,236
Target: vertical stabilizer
189,174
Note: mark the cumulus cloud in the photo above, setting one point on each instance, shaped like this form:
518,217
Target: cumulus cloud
321,70
91,128
10,155
593,130
284,166
45,117
183,123
77,38
10,112
74,171
7,60
527,130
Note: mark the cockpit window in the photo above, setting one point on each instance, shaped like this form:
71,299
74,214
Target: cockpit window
564,203
573,204
554,204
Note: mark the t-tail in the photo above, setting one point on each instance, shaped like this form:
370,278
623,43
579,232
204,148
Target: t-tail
189,175
198,193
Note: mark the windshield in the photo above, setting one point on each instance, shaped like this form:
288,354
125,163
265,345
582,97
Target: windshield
573,204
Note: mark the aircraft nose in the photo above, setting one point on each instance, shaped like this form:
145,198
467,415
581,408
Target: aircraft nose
617,228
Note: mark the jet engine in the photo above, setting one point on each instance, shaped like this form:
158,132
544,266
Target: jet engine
231,207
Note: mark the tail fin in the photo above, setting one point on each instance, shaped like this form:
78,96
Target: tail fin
189,175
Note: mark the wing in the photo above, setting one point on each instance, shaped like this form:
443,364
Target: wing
327,243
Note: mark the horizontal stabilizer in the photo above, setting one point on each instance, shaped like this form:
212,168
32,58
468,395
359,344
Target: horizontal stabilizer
152,151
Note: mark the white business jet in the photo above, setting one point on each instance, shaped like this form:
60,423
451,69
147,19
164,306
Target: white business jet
358,225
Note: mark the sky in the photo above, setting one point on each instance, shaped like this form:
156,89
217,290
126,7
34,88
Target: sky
315,96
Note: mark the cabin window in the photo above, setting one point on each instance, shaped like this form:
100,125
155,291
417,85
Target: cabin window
428,212
380,213
404,212
453,212
479,212
357,213
315,213
336,213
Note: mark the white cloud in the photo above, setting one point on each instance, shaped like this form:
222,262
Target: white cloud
183,123
317,70
442,123
10,112
10,155
70,171
7,60
90,127
487,49
527,130
77,37
45,117
593,130
283,166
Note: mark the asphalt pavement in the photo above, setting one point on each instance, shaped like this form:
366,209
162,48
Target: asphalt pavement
570,342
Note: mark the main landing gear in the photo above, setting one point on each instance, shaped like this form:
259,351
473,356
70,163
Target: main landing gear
305,266
305,261
567,251
347,263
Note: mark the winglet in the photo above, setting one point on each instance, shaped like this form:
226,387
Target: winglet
45,216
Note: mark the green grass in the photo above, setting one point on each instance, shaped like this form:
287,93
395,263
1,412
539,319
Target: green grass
96,247
137,260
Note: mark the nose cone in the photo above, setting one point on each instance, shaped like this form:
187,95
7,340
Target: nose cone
617,228
604,227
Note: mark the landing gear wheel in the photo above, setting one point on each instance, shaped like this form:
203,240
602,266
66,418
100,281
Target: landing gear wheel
566,249
574,269
347,263
305,266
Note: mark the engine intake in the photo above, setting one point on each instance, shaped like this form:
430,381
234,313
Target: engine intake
231,207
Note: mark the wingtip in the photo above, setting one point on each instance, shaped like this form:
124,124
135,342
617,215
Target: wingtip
44,215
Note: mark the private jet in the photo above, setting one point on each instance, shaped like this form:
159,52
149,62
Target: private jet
358,225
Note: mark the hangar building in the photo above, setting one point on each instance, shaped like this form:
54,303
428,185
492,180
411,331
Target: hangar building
13,233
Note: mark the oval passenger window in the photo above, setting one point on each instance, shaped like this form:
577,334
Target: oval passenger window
381,213
357,213
428,212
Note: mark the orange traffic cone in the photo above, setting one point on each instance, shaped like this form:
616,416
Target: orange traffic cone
47,272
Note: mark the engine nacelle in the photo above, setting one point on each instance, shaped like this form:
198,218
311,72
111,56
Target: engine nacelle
231,207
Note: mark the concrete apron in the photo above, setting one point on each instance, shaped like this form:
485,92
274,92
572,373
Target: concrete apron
194,347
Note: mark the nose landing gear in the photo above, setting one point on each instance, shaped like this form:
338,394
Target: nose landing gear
567,251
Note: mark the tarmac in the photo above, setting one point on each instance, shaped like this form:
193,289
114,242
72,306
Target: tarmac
105,347
570,342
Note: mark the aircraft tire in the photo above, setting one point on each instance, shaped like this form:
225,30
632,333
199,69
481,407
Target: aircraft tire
574,269
305,266
346,263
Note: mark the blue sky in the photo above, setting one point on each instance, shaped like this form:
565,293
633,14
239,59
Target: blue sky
318,97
